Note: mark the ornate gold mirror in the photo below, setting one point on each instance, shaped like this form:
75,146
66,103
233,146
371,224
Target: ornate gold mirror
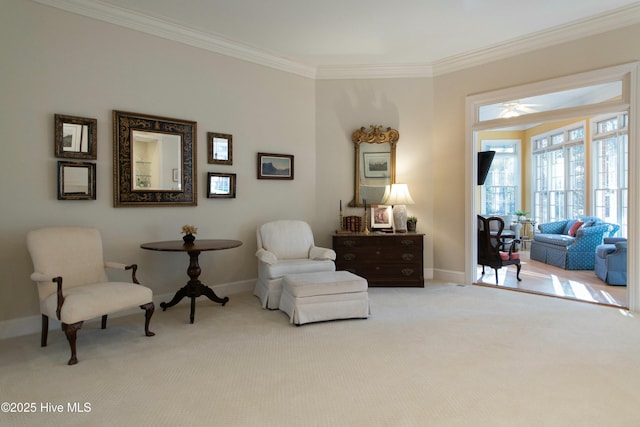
375,163
154,160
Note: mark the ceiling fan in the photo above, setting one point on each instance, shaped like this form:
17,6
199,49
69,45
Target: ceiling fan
515,108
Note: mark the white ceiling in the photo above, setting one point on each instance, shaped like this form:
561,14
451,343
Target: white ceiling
336,38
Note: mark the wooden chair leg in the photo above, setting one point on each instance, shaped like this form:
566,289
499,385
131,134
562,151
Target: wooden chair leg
71,331
45,331
496,270
148,308
104,322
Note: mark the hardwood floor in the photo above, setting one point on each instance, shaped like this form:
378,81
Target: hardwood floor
540,278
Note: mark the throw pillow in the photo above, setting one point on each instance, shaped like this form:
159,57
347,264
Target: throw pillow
574,228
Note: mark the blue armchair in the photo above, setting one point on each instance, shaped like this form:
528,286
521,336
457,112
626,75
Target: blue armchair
555,246
611,261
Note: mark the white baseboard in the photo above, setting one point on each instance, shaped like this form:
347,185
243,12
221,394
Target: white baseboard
428,273
33,324
449,276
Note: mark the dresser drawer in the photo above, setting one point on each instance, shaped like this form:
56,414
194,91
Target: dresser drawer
384,260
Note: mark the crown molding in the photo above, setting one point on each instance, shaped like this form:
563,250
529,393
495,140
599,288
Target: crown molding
96,9
178,33
597,24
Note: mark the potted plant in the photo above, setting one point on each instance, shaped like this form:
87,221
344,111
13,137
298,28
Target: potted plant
522,215
411,223
189,231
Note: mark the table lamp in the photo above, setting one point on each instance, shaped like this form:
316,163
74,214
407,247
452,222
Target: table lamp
399,197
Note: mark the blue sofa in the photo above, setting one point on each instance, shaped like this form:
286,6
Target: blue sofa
611,261
554,246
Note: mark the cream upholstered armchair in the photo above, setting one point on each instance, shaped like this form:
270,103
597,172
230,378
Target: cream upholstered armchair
73,285
286,247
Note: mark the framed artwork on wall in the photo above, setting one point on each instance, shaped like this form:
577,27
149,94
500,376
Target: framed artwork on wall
219,148
376,165
275,166
221,185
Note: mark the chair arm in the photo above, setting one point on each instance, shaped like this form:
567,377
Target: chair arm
266,256
120,266
621,246
317,252
116,265
587,239
41,277
613,240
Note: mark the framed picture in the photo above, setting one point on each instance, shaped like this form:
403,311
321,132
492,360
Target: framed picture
219,148
76,181
381,217
221,185
376,165
75,137
275,166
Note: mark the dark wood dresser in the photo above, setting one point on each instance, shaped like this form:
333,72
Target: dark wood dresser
384,259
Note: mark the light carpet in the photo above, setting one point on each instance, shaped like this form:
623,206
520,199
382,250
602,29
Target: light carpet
445,355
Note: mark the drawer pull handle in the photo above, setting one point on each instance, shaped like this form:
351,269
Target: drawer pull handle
349,257
349,243
407,242
407,271
407,257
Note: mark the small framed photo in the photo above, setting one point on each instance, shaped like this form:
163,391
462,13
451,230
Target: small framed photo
219,148
376,165
275,166
221,185
381,217
76,181
75,137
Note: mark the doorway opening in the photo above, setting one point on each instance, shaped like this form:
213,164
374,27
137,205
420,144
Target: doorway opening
507,113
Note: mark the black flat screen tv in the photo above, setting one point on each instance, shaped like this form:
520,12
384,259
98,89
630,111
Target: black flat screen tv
484,164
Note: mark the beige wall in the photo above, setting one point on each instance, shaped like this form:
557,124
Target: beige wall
343,106
57,62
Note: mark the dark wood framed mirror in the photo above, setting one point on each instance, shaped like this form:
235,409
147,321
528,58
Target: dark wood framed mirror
221,185
219,148
75,137
154,160
76,180
375,163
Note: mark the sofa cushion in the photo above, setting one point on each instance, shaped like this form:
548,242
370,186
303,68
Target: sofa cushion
554,239
568,226
505,255
574,228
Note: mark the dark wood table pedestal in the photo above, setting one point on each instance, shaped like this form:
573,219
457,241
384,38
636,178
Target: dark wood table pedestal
194,287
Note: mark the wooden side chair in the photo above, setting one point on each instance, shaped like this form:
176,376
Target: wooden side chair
493,249
73,285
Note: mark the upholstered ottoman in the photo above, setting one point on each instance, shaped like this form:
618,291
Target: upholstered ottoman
315,297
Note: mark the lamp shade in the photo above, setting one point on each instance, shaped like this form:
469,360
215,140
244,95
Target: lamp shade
398,195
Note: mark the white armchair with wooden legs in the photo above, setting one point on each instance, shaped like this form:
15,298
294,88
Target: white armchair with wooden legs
73,285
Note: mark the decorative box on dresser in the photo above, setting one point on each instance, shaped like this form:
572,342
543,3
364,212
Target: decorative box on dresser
384,259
